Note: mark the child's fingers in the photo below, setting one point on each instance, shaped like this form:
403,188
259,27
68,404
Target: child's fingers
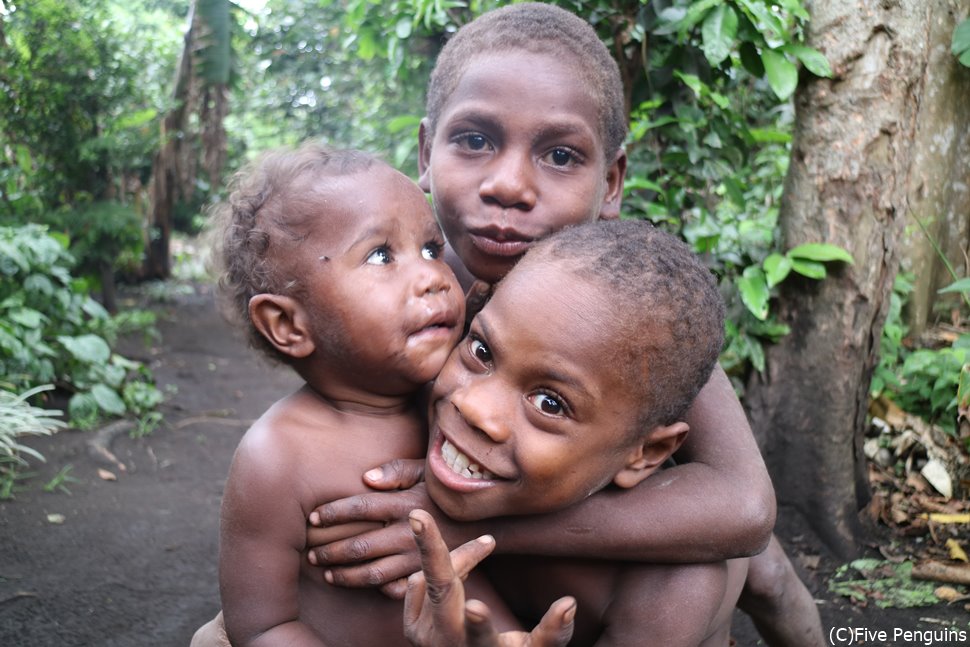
399,474
556,627
479,630
441,567
414,600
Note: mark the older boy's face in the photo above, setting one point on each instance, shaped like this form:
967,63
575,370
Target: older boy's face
517,154
385,309
530,413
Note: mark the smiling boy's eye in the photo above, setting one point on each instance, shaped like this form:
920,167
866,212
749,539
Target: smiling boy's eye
547,404
481,352
380,256
431,251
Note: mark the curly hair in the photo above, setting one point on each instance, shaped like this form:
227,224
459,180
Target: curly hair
668,314
268,213
541,29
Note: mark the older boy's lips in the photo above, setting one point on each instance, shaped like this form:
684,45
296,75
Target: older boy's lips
501,243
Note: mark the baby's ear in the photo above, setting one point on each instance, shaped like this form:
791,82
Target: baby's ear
283,322
644,459
613,197
424,155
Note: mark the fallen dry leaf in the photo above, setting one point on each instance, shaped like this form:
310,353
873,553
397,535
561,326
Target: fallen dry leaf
55,518
956,550
106,475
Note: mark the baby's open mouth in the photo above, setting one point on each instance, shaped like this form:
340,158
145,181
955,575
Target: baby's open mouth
461,465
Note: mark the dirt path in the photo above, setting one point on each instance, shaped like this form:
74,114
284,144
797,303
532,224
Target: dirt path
134,561
133,564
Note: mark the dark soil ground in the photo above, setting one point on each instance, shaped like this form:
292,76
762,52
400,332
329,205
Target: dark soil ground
132,561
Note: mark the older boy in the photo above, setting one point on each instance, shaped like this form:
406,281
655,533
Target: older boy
523,136
575,377
332,261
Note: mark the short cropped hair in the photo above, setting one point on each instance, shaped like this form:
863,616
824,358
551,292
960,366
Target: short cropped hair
266,215
667,313
541,29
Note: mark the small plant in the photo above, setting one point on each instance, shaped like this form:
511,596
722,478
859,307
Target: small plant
57,483
18,418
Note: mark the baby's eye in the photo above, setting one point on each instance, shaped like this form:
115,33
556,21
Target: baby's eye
380,256
431,251
481,352
548,404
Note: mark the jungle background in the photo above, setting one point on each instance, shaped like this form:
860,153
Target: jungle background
816,154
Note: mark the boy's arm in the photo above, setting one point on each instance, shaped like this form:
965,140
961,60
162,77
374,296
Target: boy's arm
262,537
717,504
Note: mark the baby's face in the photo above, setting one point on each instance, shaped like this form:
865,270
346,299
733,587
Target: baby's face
530,413
383,305
517,154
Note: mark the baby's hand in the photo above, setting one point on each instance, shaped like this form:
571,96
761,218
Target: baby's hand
436,613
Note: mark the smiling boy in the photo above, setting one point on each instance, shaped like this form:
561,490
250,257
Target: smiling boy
575,377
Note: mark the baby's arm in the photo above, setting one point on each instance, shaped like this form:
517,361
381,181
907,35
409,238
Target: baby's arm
262,538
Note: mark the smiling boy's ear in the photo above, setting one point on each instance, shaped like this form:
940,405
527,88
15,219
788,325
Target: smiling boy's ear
613,197
644,459
424,155
284,324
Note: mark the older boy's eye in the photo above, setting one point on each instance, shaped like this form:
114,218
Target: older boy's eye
480,350
431,251
380,256
562,157
474,142
547,404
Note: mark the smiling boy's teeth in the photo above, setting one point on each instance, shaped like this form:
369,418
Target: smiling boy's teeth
461,465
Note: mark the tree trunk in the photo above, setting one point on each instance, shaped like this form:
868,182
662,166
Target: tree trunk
939,191
847,184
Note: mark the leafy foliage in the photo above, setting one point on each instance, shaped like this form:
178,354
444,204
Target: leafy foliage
923,381
961,42
887,584
51,331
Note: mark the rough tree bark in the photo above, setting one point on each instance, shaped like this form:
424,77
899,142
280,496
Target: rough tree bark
851,164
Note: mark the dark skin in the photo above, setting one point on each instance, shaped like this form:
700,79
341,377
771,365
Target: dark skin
537,411
371,230
503,169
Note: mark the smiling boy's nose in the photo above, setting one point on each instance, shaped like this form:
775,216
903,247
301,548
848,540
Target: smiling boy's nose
478,403
509,182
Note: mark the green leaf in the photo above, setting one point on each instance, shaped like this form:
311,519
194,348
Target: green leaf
87,348
26,317
811,269
961,40
719,30
963,285
782,73
108,400
813,60
821,252
403,122
776,268
754,291
403,28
